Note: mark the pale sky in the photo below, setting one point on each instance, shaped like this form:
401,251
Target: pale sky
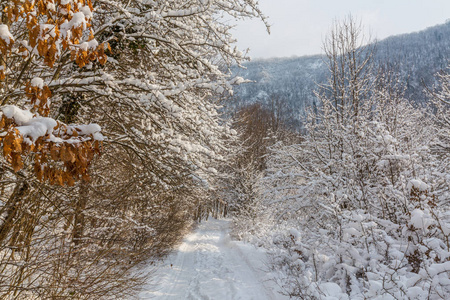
298,27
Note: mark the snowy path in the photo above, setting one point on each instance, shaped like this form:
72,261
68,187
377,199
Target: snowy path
209,266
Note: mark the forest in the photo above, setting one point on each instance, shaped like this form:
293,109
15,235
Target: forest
415,57
120,131
357,205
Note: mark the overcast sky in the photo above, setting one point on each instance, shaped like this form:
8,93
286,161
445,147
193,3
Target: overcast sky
298,27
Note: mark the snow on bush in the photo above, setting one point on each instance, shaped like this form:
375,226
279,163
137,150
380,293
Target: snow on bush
5,34
371,228
359,209
371,225
32,127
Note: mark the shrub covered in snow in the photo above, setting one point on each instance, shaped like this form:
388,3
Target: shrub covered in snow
359,209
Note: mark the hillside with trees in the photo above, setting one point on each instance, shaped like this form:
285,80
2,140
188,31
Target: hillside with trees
416,57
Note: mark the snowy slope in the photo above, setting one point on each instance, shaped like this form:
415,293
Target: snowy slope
416,56
208,265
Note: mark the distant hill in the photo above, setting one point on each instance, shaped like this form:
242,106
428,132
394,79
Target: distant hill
418,56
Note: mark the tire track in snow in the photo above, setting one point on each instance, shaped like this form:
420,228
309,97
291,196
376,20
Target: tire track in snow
209,266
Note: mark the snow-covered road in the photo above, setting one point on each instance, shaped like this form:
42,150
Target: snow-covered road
210,266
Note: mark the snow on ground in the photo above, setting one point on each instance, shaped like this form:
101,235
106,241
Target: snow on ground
208,265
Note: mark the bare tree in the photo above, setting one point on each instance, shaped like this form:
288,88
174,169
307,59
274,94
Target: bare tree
349,56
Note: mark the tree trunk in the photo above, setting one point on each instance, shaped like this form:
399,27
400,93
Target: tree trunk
80,206
11,208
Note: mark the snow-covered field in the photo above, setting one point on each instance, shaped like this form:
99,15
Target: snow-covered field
209,265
